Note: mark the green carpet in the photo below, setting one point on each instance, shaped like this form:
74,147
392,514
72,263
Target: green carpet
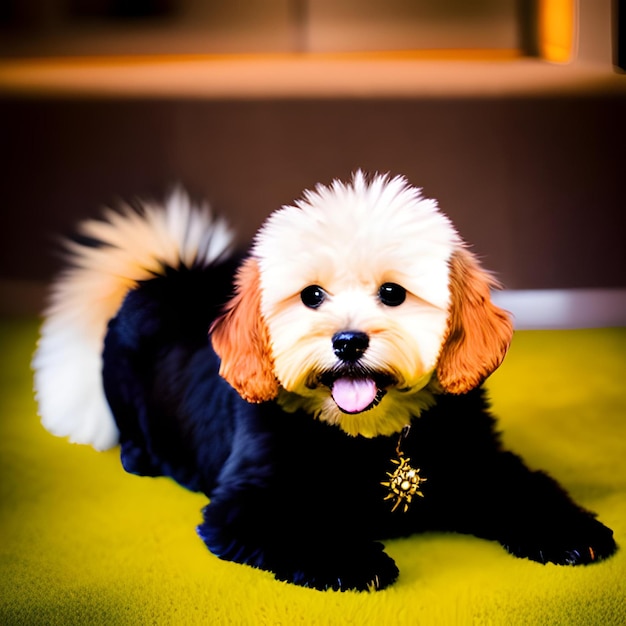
82,542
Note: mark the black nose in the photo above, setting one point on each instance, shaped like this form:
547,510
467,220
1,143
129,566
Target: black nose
349,345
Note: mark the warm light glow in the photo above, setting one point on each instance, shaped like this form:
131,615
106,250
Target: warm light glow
557,19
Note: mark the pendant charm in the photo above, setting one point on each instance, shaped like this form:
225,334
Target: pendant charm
404,482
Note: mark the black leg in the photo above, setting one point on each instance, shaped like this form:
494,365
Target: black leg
295,554
533,517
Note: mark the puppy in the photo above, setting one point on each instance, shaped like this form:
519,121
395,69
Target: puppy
323,390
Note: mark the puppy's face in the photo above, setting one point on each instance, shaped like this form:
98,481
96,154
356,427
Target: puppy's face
354,284
354,294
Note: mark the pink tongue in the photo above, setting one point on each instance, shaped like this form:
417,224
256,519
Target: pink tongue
354,395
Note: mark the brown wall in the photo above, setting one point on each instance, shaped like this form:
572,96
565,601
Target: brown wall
536,183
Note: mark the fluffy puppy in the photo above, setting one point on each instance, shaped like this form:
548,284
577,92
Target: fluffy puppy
323,390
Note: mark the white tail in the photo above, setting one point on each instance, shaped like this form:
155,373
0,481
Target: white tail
131,246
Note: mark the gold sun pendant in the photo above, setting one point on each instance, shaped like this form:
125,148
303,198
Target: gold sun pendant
404,482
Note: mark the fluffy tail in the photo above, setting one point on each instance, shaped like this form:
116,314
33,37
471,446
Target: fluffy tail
123,248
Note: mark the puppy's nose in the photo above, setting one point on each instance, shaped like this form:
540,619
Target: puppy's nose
349,345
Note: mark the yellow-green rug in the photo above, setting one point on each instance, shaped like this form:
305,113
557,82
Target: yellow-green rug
82,542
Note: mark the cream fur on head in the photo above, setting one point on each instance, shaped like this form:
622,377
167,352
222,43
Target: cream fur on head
371,259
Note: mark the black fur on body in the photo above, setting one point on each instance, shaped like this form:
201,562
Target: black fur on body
296,496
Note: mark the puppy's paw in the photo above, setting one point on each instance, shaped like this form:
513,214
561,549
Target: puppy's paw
301,561
360,568
577,542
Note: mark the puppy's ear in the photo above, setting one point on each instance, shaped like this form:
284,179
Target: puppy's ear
241,339
479,333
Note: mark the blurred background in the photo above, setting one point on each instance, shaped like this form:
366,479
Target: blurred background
510,112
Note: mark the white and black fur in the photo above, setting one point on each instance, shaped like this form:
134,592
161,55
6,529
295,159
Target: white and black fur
218,370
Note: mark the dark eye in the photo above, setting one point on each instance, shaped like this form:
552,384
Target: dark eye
392,294
312,296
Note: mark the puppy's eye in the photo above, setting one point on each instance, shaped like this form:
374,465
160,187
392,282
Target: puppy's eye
392,294
312,296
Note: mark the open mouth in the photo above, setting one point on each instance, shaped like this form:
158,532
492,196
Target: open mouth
356,392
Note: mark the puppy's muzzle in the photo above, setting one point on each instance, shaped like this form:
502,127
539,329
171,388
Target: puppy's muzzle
350,345
354,387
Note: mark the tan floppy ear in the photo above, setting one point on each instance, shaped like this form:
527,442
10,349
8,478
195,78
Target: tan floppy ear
479,333
241,339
